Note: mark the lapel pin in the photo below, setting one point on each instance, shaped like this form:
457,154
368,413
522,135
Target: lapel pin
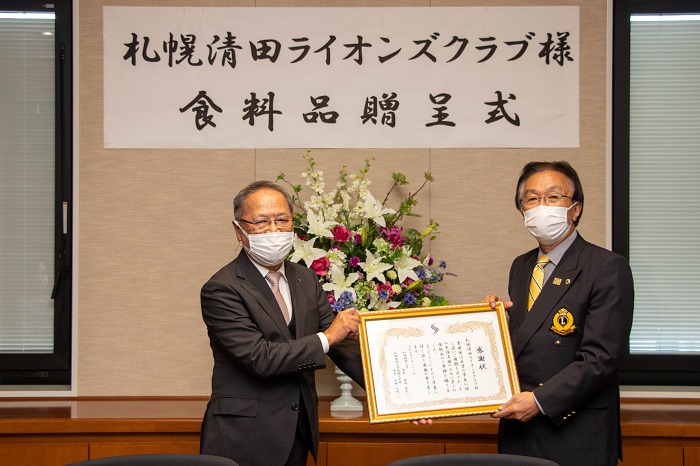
557,281
568,280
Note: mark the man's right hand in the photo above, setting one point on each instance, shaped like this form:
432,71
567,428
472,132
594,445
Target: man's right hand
521,406
346,323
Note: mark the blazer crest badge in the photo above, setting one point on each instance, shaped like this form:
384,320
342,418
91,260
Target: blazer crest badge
563,322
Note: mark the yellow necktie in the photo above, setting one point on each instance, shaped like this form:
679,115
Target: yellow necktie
537,281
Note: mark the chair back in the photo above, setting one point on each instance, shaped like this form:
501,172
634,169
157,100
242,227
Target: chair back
473,459
159,460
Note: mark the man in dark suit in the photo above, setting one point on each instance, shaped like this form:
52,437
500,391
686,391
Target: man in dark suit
570,337
268,333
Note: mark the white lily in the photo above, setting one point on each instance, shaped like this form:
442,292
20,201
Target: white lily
374,267
305,250
375,210
318,226
405,265
381,304
339,282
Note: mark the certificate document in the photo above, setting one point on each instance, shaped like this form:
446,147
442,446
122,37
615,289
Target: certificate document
436,362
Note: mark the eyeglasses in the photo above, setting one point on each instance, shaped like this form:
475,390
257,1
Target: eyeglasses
282,223
550,199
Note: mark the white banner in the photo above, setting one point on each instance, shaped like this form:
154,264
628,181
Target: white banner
453,77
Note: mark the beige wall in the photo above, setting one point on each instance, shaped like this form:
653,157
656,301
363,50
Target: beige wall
155,224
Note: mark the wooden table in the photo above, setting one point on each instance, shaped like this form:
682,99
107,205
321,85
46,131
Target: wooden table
47,432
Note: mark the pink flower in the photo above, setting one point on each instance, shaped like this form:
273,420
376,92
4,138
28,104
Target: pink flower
354,261
330,296
393,236
385,287
320,266
302,237
341,234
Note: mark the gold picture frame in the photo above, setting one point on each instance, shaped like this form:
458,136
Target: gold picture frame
434,362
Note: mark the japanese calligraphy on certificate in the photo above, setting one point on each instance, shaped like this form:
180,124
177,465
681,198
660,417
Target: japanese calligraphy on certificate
370,77
436,362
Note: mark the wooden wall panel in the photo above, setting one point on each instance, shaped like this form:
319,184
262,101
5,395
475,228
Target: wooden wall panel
42,454
652,456
105,449
691,456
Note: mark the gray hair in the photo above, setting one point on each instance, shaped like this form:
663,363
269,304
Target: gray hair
239,202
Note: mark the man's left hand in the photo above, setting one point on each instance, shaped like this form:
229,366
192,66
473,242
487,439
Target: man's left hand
423,422
521,407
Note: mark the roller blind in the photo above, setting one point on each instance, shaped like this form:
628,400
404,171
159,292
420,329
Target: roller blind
664,228
27,194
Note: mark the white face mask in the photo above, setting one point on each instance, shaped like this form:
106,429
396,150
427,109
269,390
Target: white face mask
548,224
268,249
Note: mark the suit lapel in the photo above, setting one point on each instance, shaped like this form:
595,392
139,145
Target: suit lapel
520,292
254,283
567,270
297,290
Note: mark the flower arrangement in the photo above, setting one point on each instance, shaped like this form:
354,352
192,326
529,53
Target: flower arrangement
355,244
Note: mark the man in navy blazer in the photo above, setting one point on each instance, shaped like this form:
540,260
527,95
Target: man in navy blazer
268,336
570,337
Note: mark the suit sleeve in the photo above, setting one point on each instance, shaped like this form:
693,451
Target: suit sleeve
249,339
604,344
345,354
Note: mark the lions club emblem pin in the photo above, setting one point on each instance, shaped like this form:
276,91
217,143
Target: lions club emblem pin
563,322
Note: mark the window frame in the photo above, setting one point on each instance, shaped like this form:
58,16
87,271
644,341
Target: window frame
54,368
637,369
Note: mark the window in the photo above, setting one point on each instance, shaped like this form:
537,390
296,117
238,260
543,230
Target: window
656,166
35,192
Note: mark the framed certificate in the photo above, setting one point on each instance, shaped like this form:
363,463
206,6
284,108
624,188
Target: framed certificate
435,362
